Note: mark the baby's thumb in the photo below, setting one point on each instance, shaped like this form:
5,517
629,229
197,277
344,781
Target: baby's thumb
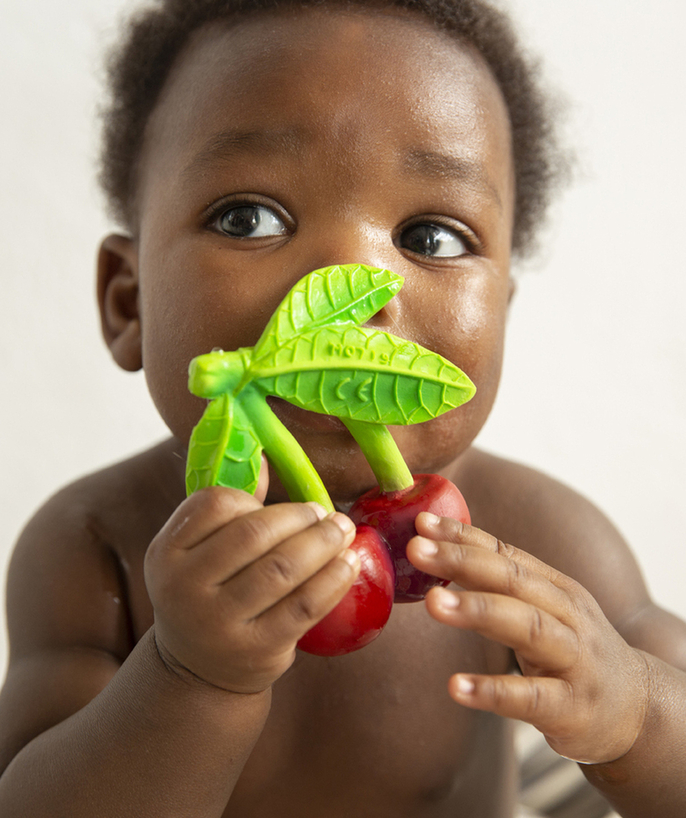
263,481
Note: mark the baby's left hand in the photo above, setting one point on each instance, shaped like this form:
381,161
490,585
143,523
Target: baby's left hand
582,686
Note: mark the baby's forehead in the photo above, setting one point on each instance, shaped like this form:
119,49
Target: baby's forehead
317,68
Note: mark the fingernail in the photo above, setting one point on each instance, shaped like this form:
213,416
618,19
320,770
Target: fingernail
430,518
427,548
180,526
320,511
465,687
351,557
342,521
446,599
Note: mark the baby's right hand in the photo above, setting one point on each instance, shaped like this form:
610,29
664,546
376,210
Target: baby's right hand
235,584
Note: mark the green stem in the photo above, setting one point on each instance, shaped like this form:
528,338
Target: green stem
382,454
292,465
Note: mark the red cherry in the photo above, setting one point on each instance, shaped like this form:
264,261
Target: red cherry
393,515
362,613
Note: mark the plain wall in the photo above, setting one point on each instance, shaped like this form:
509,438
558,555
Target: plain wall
593,391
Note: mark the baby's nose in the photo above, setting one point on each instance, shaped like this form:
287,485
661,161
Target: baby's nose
355,240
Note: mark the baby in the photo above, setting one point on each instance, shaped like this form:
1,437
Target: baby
248,144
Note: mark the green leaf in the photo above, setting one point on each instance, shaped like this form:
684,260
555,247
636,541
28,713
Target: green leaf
240,466
224,449
363,374
343,294
207,444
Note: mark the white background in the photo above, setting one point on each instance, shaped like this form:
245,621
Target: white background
593,391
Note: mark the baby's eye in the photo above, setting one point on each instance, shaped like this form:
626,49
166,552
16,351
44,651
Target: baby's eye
250,222
433,240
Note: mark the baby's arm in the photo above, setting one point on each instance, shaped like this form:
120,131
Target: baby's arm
86,729
600,697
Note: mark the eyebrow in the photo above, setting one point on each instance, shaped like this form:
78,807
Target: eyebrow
418,161
230,143
448,166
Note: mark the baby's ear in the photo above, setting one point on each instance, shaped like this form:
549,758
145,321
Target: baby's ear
118,300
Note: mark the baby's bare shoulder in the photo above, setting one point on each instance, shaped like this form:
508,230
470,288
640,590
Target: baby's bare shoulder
555,523
136,494
76,601
72,555
559,526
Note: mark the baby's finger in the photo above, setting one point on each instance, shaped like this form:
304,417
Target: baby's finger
538,700
249,537
274,576
262,480
203,513
475,568
233,545
537,637
293,616
453,531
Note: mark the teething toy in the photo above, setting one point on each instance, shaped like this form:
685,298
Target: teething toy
314,354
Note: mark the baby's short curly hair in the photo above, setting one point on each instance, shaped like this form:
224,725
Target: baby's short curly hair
140,64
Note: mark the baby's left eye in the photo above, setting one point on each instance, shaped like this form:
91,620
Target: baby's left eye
435,240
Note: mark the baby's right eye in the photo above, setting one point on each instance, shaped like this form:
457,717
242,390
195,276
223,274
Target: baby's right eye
248,221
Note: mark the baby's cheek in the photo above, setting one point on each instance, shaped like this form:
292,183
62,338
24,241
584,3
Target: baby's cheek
167,380
430,447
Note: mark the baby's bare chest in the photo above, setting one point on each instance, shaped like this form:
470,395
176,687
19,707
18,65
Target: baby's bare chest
375,734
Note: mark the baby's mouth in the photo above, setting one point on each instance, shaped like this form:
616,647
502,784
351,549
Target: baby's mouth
297,419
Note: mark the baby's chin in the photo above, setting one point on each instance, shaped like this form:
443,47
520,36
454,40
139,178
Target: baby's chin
338,459
339,463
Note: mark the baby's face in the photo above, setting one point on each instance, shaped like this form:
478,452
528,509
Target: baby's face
292,142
